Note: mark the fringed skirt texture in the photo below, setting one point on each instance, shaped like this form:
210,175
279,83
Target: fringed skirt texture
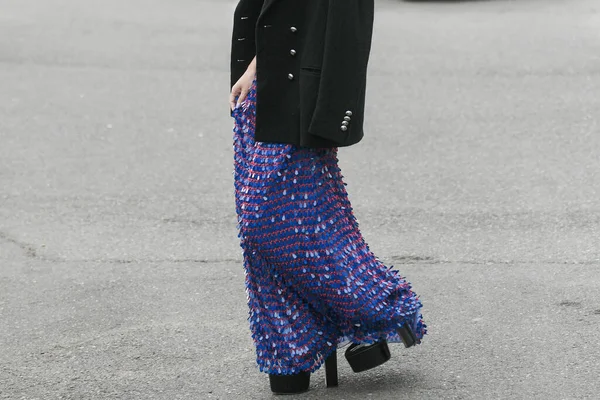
311,280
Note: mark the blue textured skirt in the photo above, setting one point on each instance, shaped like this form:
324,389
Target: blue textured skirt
311,280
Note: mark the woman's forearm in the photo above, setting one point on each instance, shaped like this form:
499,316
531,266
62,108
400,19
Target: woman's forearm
252,66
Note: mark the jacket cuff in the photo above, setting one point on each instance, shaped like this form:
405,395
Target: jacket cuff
337,128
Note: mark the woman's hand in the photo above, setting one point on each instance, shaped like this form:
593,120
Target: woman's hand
242,86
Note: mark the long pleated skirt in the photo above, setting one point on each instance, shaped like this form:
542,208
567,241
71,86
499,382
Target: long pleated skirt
311,280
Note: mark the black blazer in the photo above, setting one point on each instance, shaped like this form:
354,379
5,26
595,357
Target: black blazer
312,58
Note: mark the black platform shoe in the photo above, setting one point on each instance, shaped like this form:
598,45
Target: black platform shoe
408,336
299,383
362,357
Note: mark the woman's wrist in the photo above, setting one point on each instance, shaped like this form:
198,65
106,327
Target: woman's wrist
252,67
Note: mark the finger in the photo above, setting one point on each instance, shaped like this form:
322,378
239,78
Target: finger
242,97
235,91
231,101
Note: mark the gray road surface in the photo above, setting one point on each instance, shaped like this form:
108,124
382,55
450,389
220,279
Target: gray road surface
479,178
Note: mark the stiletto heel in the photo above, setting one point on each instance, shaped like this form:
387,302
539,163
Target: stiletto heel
331,374
362,357
407,335
290,384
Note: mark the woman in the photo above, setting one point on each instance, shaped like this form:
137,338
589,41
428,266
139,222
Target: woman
298,76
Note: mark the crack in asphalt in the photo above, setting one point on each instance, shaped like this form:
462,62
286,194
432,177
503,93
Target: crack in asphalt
27,248
30,251
404,260
157,260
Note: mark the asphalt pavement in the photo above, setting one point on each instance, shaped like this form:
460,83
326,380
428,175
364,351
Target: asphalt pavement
478,178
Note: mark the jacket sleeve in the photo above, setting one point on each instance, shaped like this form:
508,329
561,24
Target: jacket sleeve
243,41
339,110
